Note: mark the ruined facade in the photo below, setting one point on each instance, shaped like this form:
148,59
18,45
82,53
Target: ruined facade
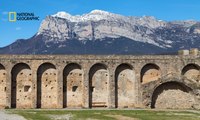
53,81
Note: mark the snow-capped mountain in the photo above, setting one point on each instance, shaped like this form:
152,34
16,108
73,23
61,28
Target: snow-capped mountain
101,32
98,25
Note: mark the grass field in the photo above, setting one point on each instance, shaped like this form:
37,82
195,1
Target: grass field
107,114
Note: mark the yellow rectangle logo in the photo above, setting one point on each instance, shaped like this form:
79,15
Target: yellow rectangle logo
12,16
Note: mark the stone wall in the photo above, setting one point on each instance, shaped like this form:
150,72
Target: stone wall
125,86
72,86
47,86
3,88
172,95
21,86
53,81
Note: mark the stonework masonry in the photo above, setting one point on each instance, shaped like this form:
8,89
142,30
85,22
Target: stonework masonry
89,81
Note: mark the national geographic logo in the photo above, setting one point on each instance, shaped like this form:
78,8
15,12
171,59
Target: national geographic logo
23,16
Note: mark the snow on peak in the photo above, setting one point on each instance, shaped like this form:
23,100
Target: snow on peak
62,14
99,12
97,15
112,25
94,15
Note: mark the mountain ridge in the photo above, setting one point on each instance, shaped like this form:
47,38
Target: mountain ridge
101,29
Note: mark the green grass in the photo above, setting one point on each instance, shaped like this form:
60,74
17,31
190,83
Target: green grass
110,114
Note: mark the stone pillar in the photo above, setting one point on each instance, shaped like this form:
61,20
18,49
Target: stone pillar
34,83
8,86
60,86
111,87
138,84
86,87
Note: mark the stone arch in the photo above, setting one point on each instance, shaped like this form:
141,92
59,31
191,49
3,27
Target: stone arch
172,95
191,71
3,81
125,86
150,72
47,86
72,86
98,85
21,86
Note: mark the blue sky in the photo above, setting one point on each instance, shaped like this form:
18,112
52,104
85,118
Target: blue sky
168,10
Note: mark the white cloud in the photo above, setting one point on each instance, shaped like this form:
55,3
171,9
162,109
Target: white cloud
18,28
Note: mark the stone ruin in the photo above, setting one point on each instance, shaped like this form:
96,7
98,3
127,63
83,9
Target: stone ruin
91,81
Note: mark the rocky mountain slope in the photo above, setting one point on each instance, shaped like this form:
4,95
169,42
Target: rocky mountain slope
101,32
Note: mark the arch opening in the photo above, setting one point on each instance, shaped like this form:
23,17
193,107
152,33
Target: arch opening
21,86
150,72
192,71
72,86
47,86
98,86
172,95
3,81
125,86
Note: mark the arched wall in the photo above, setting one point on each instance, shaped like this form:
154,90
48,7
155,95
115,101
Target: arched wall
125,89
191,71
3,88
21,86
101,78
173,95
98,86
73,86
150,72
47,86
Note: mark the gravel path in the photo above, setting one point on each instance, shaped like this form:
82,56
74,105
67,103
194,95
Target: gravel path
6,116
